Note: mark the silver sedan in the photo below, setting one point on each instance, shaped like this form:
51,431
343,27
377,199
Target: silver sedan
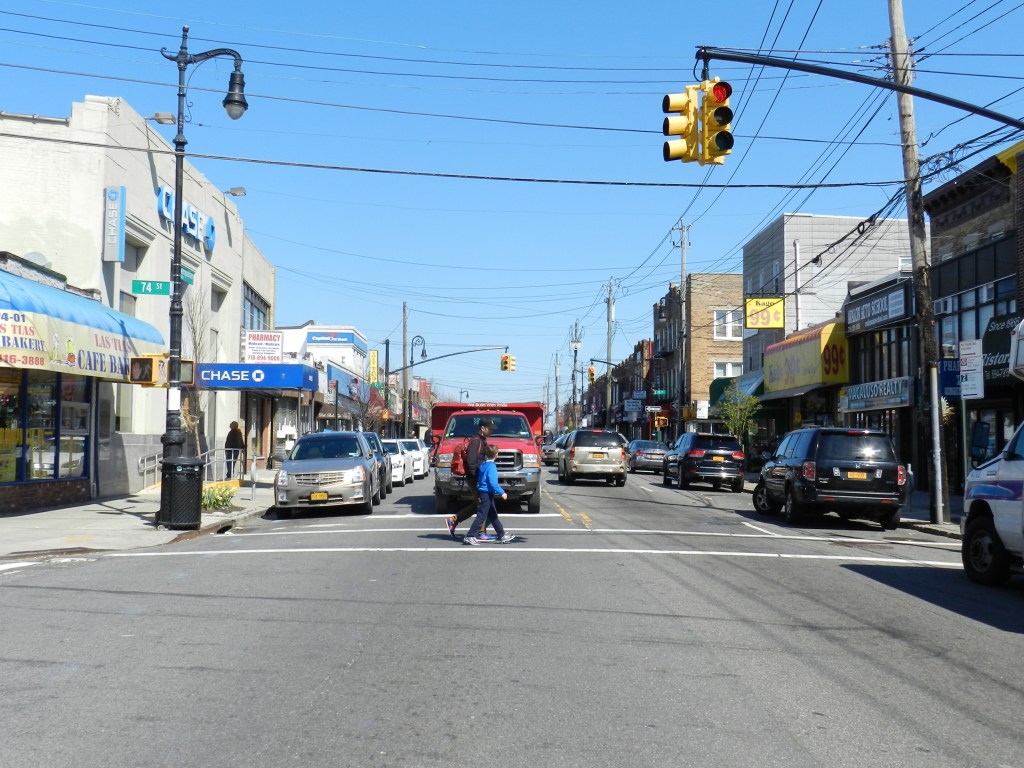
327,469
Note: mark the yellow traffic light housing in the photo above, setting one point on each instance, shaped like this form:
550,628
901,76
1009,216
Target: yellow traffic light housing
715,122
682,124
505,362
591,374
187,373
511,362
143,370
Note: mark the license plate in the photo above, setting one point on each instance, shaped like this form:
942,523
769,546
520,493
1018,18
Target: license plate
318,496
857,475
598,455
718,458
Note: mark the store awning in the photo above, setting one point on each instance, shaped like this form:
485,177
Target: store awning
750,385
785,394
807,360
50,329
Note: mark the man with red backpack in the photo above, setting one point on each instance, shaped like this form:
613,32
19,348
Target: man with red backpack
476,452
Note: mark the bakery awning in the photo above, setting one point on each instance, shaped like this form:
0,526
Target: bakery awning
45,328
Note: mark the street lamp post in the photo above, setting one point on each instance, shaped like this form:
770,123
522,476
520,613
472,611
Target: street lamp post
421,342
235,104
463,392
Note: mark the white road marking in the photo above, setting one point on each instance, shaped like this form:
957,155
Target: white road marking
762,530
545,550
12,566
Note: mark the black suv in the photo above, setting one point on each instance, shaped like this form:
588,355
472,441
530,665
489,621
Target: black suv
817,469
704,456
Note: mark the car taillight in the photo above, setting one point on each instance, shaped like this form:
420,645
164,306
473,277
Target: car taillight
808,470
738,455
695,454
572,453
901,475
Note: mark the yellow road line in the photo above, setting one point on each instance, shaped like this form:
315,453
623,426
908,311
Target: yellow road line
586,520
559,507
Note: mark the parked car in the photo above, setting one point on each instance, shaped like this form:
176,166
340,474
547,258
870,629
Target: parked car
383,458
992,546
853,472
593,454
708,457
327,469
549,451
402,461
420,456
646,455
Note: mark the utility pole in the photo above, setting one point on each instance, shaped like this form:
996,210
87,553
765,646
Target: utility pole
608,357
405,373
557,406
575,344
683,335
928,344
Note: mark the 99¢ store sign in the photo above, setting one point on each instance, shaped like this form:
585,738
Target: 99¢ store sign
765,312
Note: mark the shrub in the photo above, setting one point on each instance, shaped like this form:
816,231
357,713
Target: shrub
217,496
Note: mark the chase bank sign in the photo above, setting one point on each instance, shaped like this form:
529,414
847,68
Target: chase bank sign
193,222
254,376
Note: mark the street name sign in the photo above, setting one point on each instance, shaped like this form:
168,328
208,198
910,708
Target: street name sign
151,287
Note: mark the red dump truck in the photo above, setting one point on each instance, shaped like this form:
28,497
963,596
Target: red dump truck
518,430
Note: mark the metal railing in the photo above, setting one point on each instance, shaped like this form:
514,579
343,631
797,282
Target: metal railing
215,467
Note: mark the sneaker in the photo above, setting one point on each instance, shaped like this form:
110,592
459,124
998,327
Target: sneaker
506,538
485,537
450,522
471,540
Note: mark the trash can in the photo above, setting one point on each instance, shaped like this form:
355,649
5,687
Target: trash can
181,494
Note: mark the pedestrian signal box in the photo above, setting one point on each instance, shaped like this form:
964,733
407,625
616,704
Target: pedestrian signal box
142,370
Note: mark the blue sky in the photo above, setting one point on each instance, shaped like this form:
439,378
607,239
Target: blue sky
531,91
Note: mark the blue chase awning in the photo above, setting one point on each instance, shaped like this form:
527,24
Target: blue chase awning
46,328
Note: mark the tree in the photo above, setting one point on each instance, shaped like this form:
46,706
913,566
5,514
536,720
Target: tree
739,411
198,322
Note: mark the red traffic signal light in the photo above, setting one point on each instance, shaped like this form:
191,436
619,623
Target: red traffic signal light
716,119
504,362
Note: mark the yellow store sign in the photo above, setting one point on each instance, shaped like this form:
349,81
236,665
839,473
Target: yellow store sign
815,357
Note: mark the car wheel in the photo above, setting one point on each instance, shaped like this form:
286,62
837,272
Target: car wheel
737,485
282,513
632,467
561,477
533,503
791,509
401,483
665,479
621,481
891,520
440,503
984,556
681,484
367,505
389,484
570,478
762,503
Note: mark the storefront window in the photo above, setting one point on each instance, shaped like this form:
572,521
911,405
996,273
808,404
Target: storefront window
74,426
10,424
40,432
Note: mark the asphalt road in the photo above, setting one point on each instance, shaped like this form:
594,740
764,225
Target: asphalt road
635,626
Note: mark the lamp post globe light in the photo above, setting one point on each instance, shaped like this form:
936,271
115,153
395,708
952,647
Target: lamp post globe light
173,439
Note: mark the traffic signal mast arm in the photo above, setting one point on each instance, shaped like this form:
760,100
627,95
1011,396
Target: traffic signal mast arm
707,54
441,357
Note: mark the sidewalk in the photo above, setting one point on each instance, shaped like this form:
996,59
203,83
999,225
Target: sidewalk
129,522
122,523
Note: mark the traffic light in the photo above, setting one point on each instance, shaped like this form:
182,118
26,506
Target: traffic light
142,370
187,373
715,119
590,374
511,362
505,361
683,124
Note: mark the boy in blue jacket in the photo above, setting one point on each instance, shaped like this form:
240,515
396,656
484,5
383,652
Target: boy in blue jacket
487,512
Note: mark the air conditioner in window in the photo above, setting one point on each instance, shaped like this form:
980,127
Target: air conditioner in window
942,306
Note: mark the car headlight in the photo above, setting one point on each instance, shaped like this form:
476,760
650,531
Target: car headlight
357,475
282,478
444,460
531,460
